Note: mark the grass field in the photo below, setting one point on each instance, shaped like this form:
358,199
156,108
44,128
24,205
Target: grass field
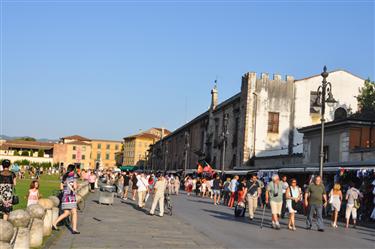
47,183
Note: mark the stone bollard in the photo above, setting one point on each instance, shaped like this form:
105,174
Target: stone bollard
20,220
36,212
55,209
6,234
47,204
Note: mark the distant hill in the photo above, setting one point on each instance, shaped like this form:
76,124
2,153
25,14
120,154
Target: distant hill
5,137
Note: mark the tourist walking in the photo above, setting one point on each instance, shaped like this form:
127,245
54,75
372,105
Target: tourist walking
335,199
92,180
69,201
216,185
274,196
134,185
226,191
253,192
188,185
315,200
126,185
33,193
176,185
159,190
142,185
233,188
285,187
293,201
7,183
352,197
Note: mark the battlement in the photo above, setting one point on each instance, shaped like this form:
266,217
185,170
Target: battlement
265,76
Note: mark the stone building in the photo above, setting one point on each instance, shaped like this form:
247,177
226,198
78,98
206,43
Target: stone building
348,142
137,146
256,128
89,153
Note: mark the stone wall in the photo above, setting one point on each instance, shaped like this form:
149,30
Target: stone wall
26,228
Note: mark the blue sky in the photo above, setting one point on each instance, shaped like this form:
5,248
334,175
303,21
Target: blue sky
105,69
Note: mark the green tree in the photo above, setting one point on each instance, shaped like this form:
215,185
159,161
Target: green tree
40,153
16,153
24,153
366,97
26,139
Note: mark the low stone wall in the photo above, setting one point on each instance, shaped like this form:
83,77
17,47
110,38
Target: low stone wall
26,228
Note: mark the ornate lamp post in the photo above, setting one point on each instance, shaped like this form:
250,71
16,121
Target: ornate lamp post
187,145
324,95
224,137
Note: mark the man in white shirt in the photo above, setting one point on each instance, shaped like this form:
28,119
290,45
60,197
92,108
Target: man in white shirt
142,185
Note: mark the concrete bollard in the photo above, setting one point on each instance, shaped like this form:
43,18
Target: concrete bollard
6,234
36,212
20,220
47,204
55,209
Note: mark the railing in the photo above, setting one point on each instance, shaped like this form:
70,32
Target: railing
26,228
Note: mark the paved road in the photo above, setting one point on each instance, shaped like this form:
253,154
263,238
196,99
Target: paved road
124,226
220,225
196,224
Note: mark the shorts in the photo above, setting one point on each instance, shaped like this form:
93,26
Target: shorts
350,210
216,191
126,188
276,207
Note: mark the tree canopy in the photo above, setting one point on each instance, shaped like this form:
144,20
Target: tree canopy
366,97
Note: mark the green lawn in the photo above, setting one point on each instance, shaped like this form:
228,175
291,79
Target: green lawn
47,183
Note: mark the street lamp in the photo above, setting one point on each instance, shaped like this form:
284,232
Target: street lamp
187,145
224,137
324,95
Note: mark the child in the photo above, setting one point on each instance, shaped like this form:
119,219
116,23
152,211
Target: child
33,195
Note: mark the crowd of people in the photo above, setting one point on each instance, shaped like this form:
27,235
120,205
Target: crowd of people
283,196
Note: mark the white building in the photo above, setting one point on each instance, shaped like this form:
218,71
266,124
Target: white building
262,122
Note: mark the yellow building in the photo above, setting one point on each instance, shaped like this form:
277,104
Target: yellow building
104,152
86,152
136,146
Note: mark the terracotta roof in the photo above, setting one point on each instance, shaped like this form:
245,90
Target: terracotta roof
143,135
78,143
160,129
77,137
27,144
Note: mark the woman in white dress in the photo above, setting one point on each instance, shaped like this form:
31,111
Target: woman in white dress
293,198
335,199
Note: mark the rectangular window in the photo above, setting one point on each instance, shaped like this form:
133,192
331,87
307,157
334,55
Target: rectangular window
107,156
98,156
116,147
99,146
313,97
74,156
74,147
83,148
108,146
273,122
83,157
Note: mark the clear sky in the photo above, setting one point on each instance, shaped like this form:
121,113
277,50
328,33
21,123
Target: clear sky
105,69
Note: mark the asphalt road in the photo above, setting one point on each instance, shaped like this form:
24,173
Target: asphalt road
218,223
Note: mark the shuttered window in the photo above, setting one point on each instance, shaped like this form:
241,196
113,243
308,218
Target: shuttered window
273,122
